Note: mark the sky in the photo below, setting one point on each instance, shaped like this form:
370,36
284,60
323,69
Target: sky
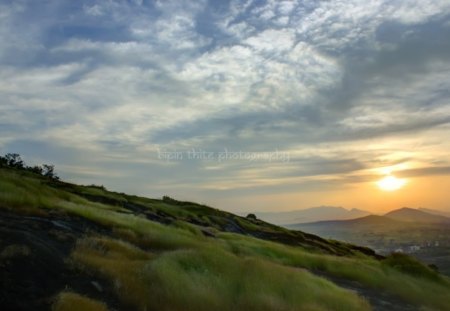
242,105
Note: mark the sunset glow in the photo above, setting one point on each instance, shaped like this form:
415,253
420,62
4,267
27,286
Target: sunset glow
391,183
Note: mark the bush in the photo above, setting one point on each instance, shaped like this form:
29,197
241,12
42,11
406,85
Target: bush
251,216
36,169
14,160
410,265
3,162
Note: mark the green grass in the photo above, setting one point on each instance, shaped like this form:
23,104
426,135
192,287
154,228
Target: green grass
147,232
100,191
208,278
418,288
28,193
19,191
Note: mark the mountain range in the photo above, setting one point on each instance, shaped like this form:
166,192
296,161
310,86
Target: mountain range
397,217
327,214
434,212
416,215
313,214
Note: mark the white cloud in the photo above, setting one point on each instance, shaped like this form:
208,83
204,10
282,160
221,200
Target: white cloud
414,11
238,31
241,74
178,32
272,41
286,7
94,10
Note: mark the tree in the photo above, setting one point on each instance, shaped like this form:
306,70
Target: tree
14,160
166,198
49,171
36,169
251,216
3,162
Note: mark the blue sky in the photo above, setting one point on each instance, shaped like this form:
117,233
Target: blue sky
349,90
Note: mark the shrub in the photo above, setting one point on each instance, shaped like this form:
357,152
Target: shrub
410,265
14,160
251,216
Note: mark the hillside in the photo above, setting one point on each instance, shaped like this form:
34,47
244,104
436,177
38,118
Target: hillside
434,212
72,247
415,215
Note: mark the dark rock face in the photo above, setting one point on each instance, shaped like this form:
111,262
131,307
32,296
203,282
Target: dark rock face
33,261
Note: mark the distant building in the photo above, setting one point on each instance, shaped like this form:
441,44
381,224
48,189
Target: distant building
414,248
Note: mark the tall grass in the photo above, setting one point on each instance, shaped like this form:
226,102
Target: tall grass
17,191
68,301
150,233
419,289
31,195
209,278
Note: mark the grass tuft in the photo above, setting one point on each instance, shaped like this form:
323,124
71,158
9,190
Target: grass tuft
68,301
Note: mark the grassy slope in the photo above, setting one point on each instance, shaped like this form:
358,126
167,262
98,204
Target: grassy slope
171,255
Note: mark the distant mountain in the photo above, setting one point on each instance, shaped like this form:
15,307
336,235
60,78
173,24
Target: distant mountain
407,214
434,212
314,214
351,224
360,229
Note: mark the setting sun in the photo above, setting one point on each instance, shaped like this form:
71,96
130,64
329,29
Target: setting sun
391,183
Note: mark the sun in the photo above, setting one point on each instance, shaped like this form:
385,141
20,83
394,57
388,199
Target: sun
391,183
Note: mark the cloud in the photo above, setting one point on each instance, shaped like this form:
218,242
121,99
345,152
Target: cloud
272,41
426,171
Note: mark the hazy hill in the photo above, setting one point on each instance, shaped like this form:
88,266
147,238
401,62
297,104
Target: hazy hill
415,215
399,217
434,212
350,230
313,214
370,220
67,247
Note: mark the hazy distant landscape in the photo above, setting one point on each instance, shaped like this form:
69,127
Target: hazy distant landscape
423,233
311,215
